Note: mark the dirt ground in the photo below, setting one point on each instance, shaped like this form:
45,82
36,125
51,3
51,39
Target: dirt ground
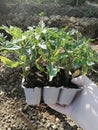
24,14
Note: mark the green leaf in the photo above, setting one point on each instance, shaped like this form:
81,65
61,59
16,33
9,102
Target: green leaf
52,71
43,46
90,63
23,58
76,73
42,24
84,69
11,48
8,62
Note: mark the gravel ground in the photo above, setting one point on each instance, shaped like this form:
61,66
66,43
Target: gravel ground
12,99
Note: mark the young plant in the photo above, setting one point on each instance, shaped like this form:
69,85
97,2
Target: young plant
48,51
24,46
76,56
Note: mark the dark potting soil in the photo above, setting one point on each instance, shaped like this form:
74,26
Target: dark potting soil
39,79
35,78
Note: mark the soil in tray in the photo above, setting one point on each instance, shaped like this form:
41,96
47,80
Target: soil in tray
40,79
